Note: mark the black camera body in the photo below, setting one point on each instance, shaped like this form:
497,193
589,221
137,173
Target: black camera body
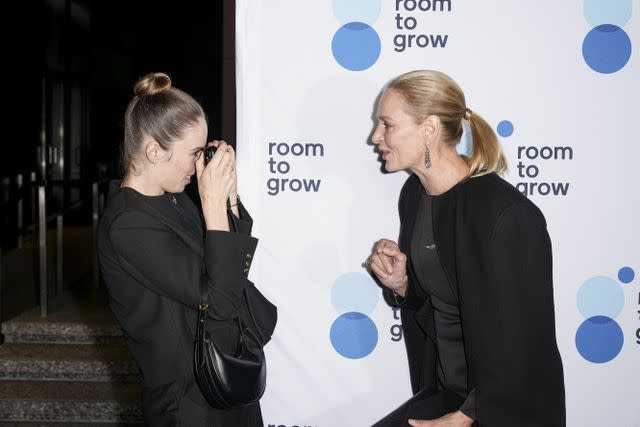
208,153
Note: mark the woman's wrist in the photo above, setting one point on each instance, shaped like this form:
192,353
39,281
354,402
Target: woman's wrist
401,290
463,418
216,218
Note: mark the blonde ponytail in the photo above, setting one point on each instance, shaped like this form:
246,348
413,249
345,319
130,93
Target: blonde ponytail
486,156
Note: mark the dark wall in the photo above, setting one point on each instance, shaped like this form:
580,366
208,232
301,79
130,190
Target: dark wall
25,31
132,38
68,72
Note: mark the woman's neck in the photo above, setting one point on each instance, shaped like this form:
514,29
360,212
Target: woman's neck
142,184
447,169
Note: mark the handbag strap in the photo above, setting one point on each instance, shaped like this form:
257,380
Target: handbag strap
203,307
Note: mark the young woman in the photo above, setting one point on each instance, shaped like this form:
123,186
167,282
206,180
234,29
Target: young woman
157,252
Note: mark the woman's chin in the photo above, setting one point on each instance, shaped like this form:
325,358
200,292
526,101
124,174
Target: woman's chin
178,188
389,167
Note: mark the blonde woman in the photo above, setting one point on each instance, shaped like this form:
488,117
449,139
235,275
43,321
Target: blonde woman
472,270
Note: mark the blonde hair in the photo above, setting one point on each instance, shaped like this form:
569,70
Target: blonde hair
428,92
158,111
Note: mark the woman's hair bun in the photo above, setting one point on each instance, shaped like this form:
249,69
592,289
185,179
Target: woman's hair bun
152,83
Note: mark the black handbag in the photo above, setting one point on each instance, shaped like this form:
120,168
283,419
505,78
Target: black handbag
229,381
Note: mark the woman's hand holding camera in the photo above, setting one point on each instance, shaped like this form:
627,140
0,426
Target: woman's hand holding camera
389,265
216,183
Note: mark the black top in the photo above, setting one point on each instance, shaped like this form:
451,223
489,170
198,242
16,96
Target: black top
495,251
155,257
452,368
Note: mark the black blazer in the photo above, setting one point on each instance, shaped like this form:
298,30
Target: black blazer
496,253
154,268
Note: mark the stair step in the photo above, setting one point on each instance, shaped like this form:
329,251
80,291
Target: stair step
61,333
79,316
70,402
71,362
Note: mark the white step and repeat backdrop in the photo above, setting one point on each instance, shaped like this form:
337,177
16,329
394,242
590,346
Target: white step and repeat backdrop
559,81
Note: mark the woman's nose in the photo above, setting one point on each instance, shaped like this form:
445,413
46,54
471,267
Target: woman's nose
376,137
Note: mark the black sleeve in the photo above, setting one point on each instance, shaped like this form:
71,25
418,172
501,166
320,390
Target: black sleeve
244,223
468,407
158,259
508,319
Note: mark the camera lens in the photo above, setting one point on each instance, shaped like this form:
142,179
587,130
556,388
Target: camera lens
208,153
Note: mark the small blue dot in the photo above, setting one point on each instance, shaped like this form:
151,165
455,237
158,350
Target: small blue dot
356,46
505,128
353,335
599,339
626,274
600,295
606,49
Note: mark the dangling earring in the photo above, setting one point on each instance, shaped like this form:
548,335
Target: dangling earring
427,157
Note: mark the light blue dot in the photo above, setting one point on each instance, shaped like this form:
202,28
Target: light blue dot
600,295
366,11
606,49
616,12
353,335
505,128
356,46
626,274
354,292
599,339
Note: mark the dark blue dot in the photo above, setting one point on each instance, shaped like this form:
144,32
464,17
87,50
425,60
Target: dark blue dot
505,128
354,335
356,46
626,274
606,48
599,339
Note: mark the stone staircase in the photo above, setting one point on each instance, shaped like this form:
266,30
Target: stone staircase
70,368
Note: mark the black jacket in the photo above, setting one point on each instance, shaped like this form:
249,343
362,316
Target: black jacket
154,268
495,250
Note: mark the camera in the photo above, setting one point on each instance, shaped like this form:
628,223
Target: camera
208,153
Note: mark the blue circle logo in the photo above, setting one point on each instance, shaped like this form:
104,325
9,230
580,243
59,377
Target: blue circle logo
599,339
616,12
356,46
606,48
505,128
366,11
354,335
600,295
354,292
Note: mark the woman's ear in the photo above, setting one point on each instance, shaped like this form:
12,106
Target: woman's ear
152,150
431,127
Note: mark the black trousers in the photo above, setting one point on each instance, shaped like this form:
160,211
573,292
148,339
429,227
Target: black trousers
181,403
422,406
